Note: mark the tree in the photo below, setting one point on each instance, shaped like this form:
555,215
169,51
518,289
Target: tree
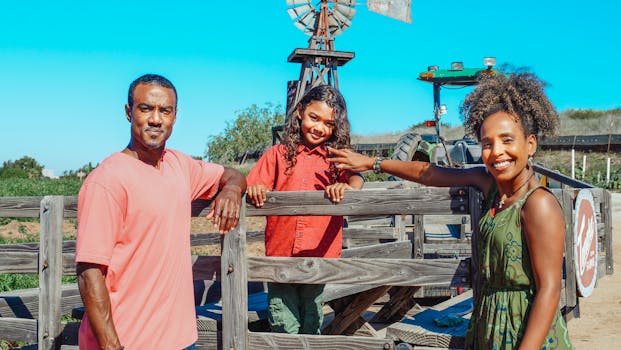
80,173
249,135
25,165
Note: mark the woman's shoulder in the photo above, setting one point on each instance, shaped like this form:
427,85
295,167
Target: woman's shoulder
540,202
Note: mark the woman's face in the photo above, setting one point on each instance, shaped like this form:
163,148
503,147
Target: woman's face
504,146
316,123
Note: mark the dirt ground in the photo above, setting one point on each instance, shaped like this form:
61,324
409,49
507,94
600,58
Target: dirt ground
600,314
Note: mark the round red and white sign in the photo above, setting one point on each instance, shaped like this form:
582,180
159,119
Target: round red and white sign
585,242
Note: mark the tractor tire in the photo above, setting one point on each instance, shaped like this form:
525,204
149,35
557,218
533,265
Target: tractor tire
405,150
406,146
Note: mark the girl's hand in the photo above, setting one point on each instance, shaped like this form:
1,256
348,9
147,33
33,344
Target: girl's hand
350,160
257,195
336,192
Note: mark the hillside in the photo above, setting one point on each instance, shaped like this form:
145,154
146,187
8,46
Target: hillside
572,122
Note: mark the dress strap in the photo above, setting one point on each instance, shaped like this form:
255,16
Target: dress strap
522,200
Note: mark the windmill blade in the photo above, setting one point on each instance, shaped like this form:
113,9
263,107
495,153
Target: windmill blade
397,9
299,11
342,20
306,23
334,26
350,3
346,11
297,2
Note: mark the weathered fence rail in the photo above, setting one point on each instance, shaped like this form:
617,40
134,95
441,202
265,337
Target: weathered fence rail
34,316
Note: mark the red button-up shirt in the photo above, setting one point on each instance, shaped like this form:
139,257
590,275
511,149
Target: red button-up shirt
310,236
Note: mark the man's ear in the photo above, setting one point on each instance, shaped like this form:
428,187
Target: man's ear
128,113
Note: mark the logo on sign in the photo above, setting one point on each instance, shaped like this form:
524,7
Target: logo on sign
585,242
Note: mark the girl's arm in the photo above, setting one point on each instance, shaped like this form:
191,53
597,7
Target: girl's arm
421,172
544,228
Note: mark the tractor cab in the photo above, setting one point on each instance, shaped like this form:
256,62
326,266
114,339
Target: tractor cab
433,147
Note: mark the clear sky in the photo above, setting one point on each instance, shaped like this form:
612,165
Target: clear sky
65,66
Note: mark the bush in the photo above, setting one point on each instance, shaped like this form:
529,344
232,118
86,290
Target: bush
18,187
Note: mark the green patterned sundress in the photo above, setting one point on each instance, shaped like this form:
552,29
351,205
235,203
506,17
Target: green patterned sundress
508,286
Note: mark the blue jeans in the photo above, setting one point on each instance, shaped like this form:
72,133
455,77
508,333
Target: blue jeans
191,347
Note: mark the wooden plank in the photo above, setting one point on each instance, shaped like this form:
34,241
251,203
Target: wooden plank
421,329
427,200
336,291
33,247
206,267
565,180
436,272
29,207
370,233
418,237
26,263
270,341
401,301
385,185
358,305
446,219
50,272
235,287
208,340
392,250
199,239
608,240
24,303
18,329
476,212
567,203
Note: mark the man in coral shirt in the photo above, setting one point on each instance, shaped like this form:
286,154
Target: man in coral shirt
133,245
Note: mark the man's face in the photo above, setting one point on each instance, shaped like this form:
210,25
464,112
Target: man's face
152,116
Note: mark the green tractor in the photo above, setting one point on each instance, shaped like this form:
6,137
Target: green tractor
434,148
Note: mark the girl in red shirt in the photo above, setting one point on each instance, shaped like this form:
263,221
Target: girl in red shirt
300,163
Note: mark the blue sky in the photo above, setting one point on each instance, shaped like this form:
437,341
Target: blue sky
65,65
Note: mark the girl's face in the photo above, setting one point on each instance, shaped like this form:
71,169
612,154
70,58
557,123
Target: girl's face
316,123
504,146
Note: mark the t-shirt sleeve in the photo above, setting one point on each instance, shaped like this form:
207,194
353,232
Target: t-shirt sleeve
344,175
265,170
100,219
205,179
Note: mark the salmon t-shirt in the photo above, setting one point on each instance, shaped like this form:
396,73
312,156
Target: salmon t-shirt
135,219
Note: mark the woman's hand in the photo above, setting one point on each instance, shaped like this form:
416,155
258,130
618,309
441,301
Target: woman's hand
350,160
257,195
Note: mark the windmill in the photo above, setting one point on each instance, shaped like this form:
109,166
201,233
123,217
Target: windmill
323,20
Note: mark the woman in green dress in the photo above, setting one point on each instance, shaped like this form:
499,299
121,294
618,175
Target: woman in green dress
522,233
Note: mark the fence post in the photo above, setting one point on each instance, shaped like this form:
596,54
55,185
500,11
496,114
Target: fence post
476,212
606,211
50,272
566,200
235,286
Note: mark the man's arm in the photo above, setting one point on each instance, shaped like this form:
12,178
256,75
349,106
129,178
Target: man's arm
97,304
227,204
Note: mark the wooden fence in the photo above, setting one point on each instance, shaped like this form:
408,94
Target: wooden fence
35,316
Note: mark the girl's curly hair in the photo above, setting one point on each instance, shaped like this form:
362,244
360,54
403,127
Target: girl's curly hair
340,135
519,94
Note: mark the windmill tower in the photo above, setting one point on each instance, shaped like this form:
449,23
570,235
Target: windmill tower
323,20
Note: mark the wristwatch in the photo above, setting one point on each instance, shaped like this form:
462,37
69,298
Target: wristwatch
377,165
